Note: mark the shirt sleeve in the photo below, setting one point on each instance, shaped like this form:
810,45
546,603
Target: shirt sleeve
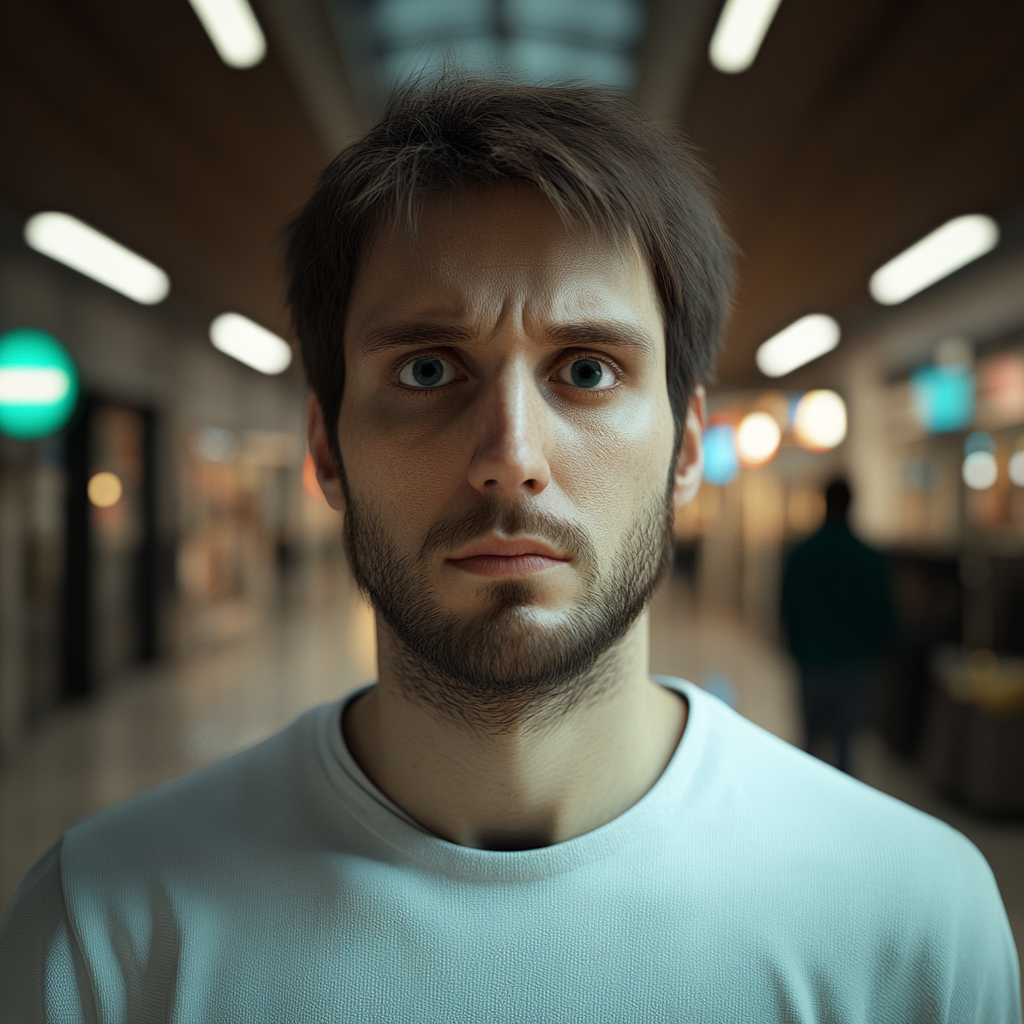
43,976
984,975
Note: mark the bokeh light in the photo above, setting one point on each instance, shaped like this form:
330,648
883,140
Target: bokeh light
801,342
80,246
234,31
38,384
980,469
105,489
819,423
946,249
943,397
243,339
1016,468
979,441
215,444
757,438
720,459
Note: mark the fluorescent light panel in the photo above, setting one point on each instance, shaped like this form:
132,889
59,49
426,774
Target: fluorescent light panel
237,336
806,339
233,30
946,249
81,247
739,33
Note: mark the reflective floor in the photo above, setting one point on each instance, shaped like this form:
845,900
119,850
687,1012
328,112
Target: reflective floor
165,722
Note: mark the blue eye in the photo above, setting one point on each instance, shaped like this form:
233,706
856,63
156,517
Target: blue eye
426,373
590,374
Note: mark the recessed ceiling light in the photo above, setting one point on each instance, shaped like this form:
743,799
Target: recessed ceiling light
237,336
954,245
233,30
81,247
739,33
806,339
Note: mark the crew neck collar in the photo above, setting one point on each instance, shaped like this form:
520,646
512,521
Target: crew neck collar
414,844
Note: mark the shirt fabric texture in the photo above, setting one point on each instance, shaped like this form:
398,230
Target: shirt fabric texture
751,883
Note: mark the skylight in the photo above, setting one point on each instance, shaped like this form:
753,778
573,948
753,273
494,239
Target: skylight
592,41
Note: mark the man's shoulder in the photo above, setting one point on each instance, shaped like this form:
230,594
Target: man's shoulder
799,803
832,849
254,789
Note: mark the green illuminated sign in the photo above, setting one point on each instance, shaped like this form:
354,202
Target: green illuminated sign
38,384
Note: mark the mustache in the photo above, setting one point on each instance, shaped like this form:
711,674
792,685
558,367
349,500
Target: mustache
499,516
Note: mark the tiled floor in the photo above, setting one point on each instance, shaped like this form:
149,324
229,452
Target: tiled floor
173,719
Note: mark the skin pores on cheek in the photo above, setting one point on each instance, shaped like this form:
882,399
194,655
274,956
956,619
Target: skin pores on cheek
501,271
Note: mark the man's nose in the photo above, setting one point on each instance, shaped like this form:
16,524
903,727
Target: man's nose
510,460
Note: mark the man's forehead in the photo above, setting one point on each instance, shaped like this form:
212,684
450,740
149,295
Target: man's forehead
475,254
506,227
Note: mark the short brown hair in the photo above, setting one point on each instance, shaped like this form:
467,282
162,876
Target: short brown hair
596,156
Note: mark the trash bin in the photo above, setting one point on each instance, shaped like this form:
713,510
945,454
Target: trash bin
973,743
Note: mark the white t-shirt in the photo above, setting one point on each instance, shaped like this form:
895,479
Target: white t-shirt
751,883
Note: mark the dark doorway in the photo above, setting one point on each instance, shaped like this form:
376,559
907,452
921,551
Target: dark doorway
111,588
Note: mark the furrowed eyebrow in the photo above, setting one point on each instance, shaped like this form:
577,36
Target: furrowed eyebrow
416,334
611,333
411,335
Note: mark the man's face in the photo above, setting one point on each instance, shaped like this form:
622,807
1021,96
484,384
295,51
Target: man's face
507,439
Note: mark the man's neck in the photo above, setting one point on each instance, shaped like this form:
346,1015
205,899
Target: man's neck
542,782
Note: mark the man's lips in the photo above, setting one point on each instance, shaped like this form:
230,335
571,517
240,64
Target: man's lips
496,556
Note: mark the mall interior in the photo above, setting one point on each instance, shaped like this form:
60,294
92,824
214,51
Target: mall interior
172,584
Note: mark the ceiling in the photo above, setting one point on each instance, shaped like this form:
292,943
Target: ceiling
121,113
860,127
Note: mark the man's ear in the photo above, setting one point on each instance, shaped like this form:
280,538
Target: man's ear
690,461
320,451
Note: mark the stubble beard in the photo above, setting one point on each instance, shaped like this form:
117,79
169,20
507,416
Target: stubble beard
506,667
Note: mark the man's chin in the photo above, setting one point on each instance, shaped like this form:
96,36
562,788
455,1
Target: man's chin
534,600
465,644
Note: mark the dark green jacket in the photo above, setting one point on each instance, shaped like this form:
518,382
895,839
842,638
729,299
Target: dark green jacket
835,599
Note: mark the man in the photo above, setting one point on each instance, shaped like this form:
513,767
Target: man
837,611
507,298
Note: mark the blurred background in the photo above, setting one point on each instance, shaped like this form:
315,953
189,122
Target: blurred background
171,583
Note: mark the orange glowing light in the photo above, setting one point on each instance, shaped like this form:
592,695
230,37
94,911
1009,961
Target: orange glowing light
820,421
104,489
757,438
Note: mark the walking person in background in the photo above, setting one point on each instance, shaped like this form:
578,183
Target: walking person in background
839,617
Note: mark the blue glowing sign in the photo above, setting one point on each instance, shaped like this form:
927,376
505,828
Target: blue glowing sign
943,397
720,460
979,441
